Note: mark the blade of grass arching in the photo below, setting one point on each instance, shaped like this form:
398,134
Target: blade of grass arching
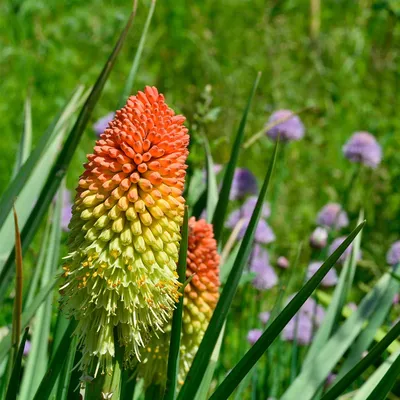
314,374
200,204
53,371
15,379
223,200
387,382
37,272
237,374
36,364
27,315
212,188
335,306
25,143
64,380
204,388
60,167
176,328
368,387
40,152
135,65
373,356
207,345
228,264
368,334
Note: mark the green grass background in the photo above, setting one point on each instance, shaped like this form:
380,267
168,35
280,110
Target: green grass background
349,73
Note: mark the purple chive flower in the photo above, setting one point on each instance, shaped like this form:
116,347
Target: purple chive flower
330,379
66,212
319,238
264,316
264,233
301,326
336,243
332,216
363,148
102,124
254,335
282,262
243,184
393,255
292,129
27,348
330,278
396,299
266,277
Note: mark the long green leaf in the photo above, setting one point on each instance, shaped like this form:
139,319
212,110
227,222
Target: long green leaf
376,352
24,172
60,167
314,374
368,387
25,143
13,385
50,378
38,356
368,334
211,335
176,328
27,315
223,201
34,173
212,187
135,65
387,382
336,304
275,328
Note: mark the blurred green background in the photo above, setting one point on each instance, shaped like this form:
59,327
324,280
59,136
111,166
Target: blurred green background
345,62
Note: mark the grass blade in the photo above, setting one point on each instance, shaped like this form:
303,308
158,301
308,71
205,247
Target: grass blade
387,382
237,374
50,378
212,187
27,315
367,335
24,172
25,143
336,304
375,378
135,65
315,374
60,167
223,201
211,335
376,352
175,342
13,385
36,364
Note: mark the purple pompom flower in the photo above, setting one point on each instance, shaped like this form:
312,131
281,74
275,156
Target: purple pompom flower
332,216
282,262
101,125
292,129
66,212
330,278
393,255
243,184
353,306
336,243
363,148
301,326
319,238
27,348
264,233
396,299
264,316
266,277
254,335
